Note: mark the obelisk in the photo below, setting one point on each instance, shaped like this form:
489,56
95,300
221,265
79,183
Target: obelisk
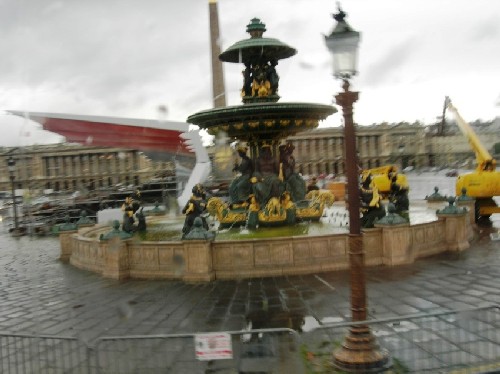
218,90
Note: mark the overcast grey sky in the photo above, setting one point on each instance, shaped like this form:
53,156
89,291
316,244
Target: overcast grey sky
124,58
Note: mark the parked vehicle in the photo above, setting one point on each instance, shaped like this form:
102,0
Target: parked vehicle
452,173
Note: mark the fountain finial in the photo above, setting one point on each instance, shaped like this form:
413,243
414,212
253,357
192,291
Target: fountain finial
256,28
451,208
341,15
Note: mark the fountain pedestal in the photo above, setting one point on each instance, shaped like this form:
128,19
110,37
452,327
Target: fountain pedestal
456,231
65,242
470,206
116,258
397,244
198,258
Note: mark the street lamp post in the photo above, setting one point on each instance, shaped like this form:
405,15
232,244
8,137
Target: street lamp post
401,150
359,351
11,165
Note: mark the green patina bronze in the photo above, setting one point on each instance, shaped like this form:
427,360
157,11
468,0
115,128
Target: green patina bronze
198,232
156,211
451,208
84,220
67,225
261,118
247,50
436,196
269,189
116,233
464,197
254,121
391,218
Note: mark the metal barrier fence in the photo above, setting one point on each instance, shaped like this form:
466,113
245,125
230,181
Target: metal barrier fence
466,341
24,353
255,351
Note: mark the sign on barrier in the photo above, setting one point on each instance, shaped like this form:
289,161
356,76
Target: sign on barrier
215,346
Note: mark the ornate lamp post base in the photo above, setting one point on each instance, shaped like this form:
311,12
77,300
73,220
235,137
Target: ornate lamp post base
360,353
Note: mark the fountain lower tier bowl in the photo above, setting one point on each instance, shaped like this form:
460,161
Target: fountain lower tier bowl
261,120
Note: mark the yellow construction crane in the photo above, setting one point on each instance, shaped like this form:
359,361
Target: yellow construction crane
483,183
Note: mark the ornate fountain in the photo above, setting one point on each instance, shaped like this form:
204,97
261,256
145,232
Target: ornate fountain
267,191
261,126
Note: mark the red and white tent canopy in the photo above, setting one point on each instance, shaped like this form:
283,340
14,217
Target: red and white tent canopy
143,134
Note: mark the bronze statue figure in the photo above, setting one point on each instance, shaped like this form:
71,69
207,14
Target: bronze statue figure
241,187
266,181
293,182
195,207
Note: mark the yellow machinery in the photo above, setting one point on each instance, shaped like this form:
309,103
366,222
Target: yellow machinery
382,177
483,183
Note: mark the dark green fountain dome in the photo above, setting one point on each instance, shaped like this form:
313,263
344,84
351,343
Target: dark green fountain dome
245,51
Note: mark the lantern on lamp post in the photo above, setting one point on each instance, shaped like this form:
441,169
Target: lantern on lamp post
343,44
359,351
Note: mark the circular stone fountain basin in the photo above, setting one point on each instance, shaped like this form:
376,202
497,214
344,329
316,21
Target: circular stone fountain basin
335,220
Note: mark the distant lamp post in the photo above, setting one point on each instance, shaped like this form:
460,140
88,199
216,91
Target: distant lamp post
359,352
11,165
401,150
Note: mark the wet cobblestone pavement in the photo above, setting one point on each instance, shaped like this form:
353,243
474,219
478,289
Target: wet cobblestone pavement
41,295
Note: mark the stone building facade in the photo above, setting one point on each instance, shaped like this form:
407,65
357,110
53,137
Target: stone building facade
69,167
320,151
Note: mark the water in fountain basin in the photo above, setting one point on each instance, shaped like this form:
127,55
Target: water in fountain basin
335,220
